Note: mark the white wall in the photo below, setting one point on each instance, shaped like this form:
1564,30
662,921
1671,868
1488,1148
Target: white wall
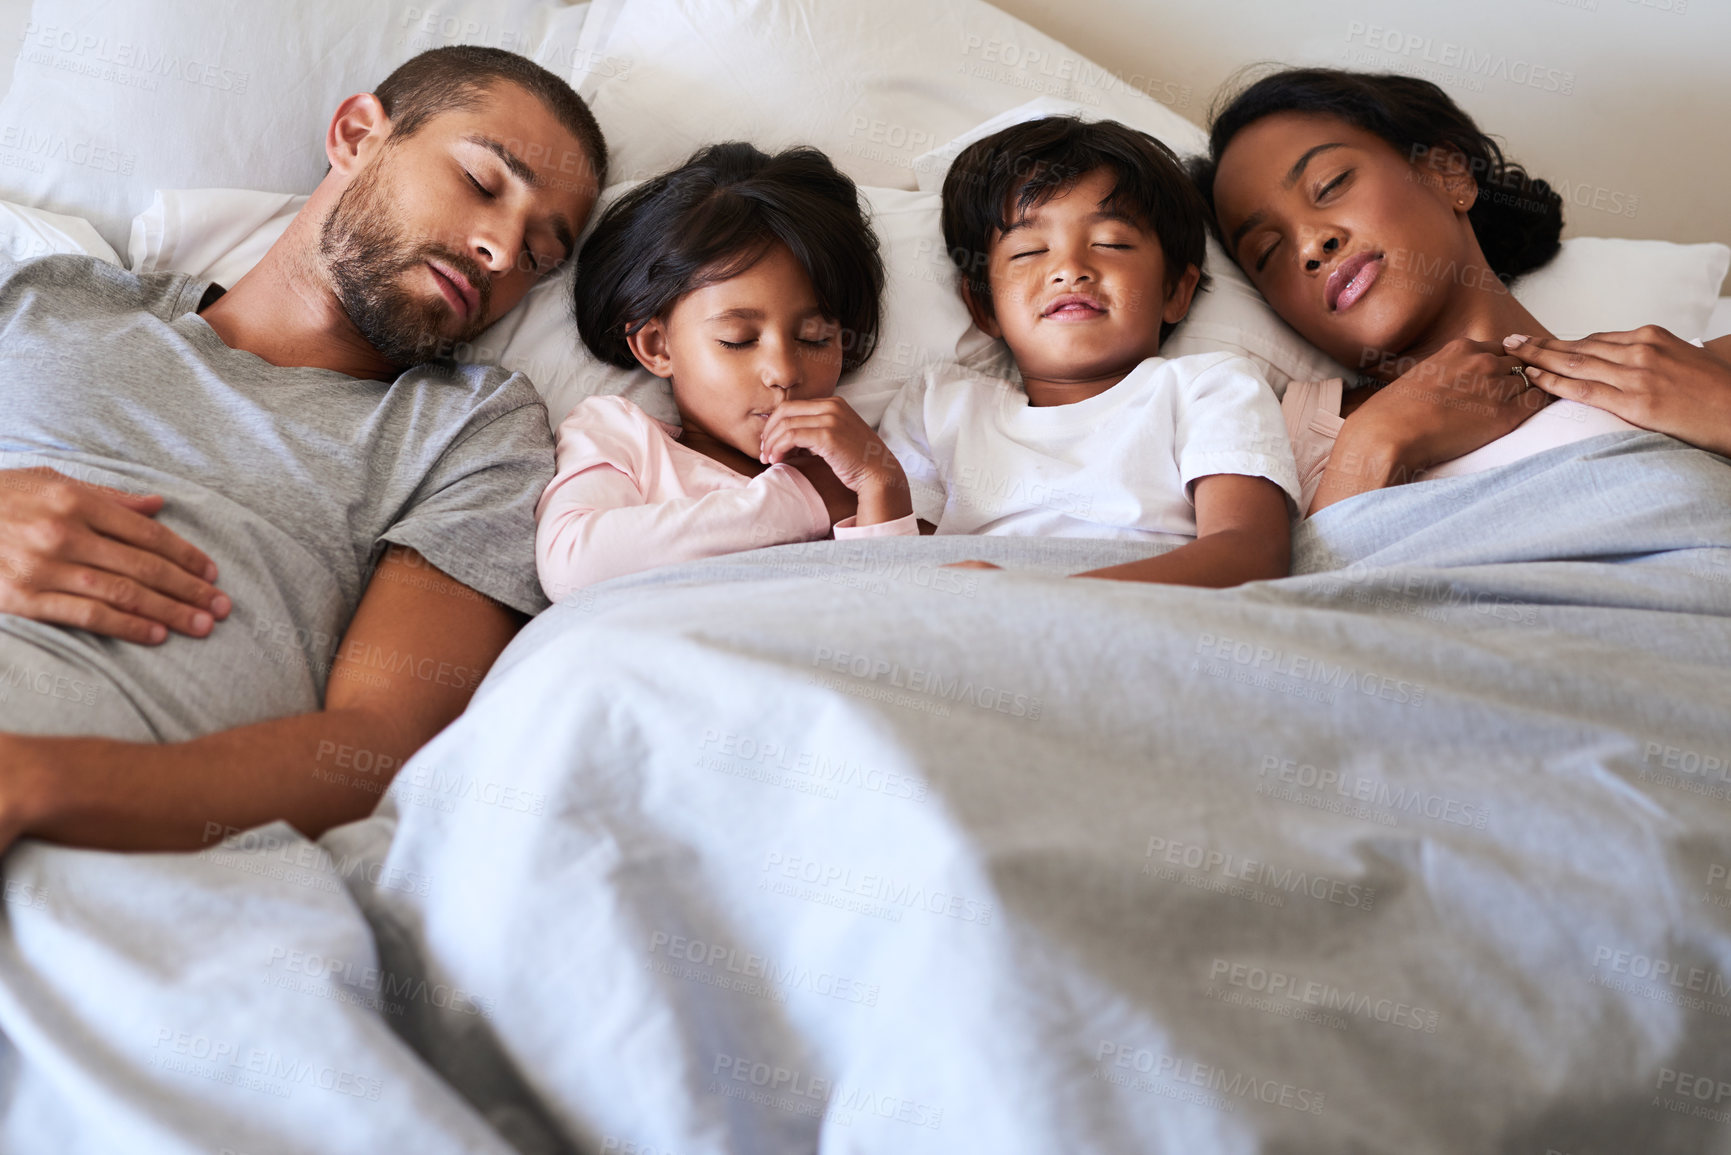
1626,105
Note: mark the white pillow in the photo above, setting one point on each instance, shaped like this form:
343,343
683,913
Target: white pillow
1230,317
214,234
111,101
873,83
930,168
1600,285
219,234
26,233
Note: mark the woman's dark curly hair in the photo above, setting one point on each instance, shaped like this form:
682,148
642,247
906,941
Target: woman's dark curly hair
1518,219
714,217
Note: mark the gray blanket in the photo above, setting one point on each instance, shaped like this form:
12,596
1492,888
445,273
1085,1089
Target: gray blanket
1426,848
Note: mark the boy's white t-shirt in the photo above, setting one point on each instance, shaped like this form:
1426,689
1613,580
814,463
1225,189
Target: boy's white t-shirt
980,459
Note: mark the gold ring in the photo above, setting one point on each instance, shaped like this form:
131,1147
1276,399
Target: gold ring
1521,372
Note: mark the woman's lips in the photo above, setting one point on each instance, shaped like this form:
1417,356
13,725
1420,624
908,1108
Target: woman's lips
1348,284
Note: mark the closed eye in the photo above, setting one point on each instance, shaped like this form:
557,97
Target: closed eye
1332,185
1262,261
1109,245
479,187
736,344
815,342
1026,253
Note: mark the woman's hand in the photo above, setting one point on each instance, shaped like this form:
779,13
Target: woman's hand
87,556
1464,396
828,428
1648,377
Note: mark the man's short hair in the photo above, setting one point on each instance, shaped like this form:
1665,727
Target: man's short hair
447,79
1038,159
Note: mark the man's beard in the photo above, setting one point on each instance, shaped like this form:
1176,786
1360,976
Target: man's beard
367,257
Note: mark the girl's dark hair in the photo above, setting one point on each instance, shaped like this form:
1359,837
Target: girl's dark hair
1038,159
1518,218
714,217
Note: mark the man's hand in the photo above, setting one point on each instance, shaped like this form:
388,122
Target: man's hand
1460,398
828,428
90,557
1647,376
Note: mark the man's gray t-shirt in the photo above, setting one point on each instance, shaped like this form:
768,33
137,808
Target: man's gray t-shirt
292,480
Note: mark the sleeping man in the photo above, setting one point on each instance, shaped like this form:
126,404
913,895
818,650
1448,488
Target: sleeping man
257,547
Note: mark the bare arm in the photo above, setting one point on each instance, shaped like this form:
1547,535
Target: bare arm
1460,398
1243,534
419,644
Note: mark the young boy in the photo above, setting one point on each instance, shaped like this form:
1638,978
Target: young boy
1080,246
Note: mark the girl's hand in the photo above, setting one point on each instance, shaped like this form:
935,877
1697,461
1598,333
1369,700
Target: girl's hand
1464,396
839,501
1648,377
828,427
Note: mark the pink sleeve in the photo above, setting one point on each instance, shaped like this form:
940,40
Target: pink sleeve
1313,421
900,527
595,522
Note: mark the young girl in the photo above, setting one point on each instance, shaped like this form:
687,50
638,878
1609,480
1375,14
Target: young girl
749,282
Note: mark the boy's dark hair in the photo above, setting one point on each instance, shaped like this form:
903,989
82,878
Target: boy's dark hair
458,77
713,218
1038,159
1518,219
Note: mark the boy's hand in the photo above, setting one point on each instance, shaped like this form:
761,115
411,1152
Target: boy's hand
828,427
1243,534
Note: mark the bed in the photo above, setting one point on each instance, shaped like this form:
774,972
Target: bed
827,847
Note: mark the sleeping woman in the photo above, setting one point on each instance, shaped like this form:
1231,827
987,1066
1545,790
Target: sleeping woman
1384,226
